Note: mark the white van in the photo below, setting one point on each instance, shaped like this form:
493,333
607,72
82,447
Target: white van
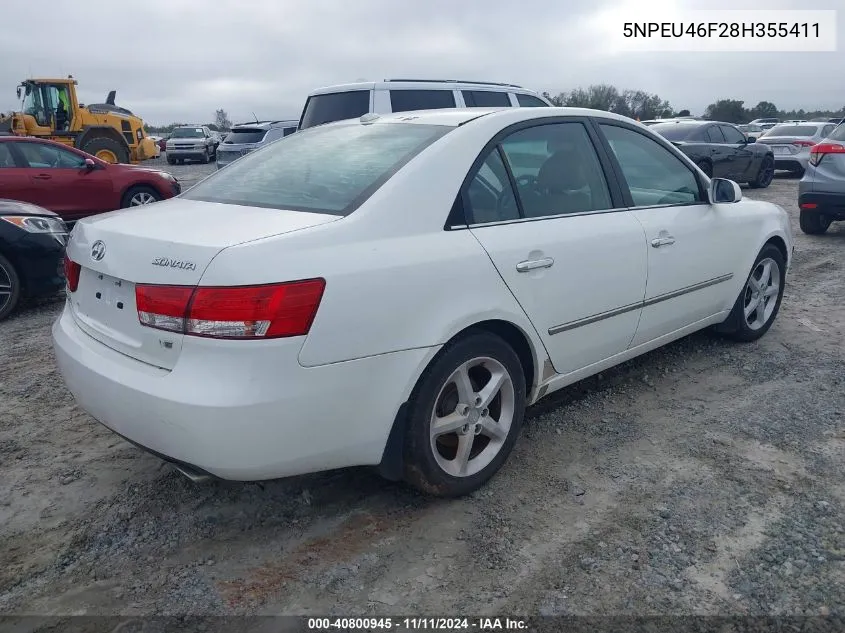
350,101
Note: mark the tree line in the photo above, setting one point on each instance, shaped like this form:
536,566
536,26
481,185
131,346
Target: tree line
639,104
222,123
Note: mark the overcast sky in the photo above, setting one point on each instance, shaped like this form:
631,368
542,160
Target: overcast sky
179,60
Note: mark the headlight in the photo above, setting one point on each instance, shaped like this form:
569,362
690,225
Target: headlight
36,224
167,176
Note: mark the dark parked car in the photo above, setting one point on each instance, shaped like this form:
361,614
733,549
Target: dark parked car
32,243
721,151
75,184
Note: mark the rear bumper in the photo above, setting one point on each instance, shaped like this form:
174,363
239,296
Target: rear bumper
241,410
792,163
831,204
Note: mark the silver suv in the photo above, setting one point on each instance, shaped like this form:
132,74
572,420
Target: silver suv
246,137
191,142
821,192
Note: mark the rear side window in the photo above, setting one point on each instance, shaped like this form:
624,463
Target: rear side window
246,135
289,131
827,130
329,170
408,100
530,101
334,106
6,159
714,135
486,99
838,134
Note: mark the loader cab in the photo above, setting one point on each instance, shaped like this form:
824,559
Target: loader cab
50,103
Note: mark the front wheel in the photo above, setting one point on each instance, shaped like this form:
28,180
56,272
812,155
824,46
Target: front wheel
464,416
759,302
10,288
139,196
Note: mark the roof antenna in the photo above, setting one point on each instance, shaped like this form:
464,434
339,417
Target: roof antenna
255,117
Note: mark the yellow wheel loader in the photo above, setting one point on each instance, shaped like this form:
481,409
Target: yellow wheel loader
51,110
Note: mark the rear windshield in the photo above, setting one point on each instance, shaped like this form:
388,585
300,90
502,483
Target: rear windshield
675,131
329,170
334,106
793,130
253,135
187,132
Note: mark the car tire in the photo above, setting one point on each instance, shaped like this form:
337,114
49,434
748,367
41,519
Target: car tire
814,222
706,166
138,196
106,146
765,174
759,301
798,173
171,161
181,161
475,437
205,157
10,288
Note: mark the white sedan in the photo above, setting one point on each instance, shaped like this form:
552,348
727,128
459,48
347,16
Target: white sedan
395,290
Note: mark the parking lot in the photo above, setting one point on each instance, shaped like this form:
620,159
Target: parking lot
705,477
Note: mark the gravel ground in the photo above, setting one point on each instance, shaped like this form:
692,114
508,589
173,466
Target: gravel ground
703,478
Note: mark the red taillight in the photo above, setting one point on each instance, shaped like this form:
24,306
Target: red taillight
268,311
72,270
819,151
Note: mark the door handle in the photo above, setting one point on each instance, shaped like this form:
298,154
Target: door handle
42,177
534,264
657,242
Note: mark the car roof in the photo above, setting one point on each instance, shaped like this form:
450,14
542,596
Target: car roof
268,124
455,117
421,84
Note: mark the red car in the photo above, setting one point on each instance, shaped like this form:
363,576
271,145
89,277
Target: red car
74,184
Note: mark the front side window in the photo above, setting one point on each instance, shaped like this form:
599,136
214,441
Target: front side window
409,100
732,135
490,197
486,99
40,156
655,176
331,169
530,101
335,106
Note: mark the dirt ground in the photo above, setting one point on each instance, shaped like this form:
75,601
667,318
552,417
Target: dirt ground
703,478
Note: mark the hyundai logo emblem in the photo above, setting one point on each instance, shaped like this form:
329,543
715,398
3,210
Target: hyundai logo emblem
98,250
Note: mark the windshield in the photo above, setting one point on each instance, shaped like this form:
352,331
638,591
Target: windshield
325,170
793,130
187,132
246,135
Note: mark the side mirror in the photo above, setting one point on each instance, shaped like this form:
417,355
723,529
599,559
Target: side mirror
723,190
752,139
90,164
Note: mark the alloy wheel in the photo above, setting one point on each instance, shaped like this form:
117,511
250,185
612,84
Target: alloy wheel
140,198
472,416
5,287
761,293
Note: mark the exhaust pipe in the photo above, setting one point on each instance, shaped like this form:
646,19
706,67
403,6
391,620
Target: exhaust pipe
194,475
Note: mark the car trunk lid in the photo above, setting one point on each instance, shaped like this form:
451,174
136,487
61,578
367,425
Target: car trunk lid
170,243
787,144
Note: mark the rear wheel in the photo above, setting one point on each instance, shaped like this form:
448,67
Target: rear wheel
106,149
464,416
765,175
171,161
139,196
10,288
814,222
706,167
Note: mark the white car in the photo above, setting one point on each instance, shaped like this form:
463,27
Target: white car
350,101
395,290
